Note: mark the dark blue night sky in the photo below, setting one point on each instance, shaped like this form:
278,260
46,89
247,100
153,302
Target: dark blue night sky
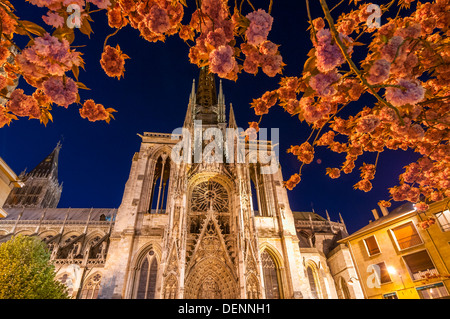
96,157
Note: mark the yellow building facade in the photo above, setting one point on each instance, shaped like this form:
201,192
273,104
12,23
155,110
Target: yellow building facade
404,254
8,180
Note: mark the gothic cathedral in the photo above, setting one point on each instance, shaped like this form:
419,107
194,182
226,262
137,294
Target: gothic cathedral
191,229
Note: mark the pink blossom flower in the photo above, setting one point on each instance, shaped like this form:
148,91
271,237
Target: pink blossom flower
305,153
250,65
268,48
48,55
158,20
261,107
333,172
364,185
322,83
260,25
113,61
414,194
421,207
326,138
270,98
61,92
23,105
56,4
222,60
415,132
102,4
387,114
215,10
411,173
367,124
379,72
291,106
412,31
392,49
271,64
413,93
93,111
53,19
216,38
328,54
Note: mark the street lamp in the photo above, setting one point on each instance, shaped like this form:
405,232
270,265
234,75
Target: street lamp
391,270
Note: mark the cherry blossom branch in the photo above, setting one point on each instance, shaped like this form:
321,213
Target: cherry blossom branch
112,34
16,19
352,65
337,5
310,19
251,5
12,42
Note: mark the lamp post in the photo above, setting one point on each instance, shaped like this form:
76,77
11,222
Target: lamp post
391,270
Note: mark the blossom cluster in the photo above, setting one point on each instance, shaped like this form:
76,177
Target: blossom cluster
407,70
95,112
215,44
48,56
113,61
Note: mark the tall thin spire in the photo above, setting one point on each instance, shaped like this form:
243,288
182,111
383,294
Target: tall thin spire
206,89
48,168
221,104
41,188
191,107
231,118
206,106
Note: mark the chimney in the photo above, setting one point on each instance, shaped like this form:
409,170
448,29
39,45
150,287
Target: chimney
375,214
384,210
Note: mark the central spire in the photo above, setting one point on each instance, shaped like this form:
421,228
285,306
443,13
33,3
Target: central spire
204,103
206,89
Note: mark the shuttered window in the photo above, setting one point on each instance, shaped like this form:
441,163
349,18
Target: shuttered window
406,236
420,264
372,246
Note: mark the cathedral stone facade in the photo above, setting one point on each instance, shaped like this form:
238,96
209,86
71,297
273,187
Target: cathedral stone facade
189,229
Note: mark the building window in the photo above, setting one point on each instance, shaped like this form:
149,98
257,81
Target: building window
432,291
444,220
160,185
382,273
147,277
372,246
406,236
312,282
392,295
91,288
271,273
419,265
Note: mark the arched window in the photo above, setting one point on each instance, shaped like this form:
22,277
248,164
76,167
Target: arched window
271,274
160,185
146,279
91,288
259,196
312,277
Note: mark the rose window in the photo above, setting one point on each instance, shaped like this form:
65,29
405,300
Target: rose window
209,195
